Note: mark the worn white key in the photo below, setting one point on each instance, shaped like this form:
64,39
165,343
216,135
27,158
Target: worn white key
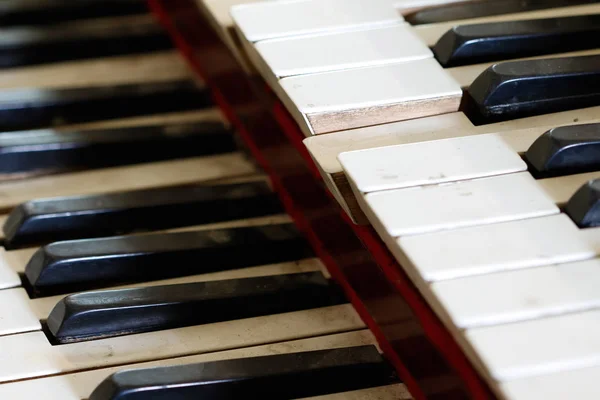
19,313
30,355
268,20
580,384
498,247
16,314
538,347
563,187
493,299
342,50
427,163
77,386
449,206
334,101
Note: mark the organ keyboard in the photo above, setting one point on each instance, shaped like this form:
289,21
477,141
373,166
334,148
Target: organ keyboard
145,256
136,232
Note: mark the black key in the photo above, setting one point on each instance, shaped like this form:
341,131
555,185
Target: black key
80,40
47,220
524,88
472,44
277,377
64,267
565,150
94,315
584,206
48,151
29,109
487,8
45,12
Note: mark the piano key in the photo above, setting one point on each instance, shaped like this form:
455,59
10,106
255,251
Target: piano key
469,10
16,260
431,33
46,151
577,384
583,206
520,295
36,12
269,20
102,314
134,177
562,188
543,346
30,355
450,206
333,101
476,43
339,50
81,40
62,218
16,314
8,277
32,108
280,376
455,159
81,264
566,148
521,88
128,69
37,309
79,385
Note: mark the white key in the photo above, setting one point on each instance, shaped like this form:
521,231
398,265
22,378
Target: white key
8,277
538,347
563,187
520,295
332,101
427,163
15,260
77,386
16,315
580,384
449,206
29,355
268,20
19,313
342,50
109,180
498,247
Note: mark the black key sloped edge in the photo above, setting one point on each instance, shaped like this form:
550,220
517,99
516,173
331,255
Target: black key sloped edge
69,266
49,151
584,206
276,377
518,89
30,109
95,315
496,41
44,221
565,150
487,8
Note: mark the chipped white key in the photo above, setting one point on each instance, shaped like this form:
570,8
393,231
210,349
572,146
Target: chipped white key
333,101
342,50
580,384
450,206
538,347
493,299
426,163
498,247
16,314
268,20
